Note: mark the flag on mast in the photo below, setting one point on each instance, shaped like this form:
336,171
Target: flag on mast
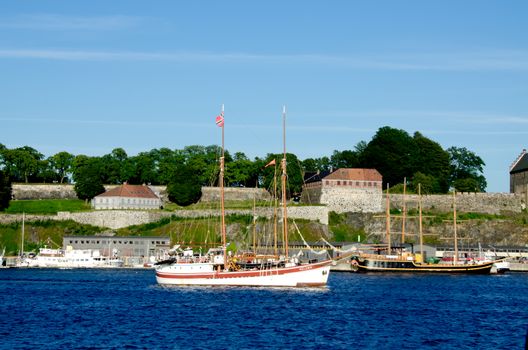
220,120
270,163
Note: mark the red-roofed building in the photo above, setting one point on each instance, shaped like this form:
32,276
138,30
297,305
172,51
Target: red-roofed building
353,189
127,197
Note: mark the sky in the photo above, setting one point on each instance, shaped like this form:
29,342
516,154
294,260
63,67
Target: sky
89,76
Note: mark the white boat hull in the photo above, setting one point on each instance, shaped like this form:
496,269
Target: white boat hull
296,276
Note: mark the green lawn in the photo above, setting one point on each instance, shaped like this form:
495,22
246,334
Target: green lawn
46,206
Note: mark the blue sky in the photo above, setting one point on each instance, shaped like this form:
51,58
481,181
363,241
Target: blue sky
89,76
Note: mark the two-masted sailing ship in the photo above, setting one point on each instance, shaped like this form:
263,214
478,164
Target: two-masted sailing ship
219,268
394,260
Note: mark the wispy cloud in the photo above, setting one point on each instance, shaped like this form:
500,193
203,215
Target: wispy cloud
63,22
95,122
456,61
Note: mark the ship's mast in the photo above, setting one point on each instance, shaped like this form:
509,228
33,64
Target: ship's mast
387,221
221,180
420,219
455,258
404,209
283,164
23,231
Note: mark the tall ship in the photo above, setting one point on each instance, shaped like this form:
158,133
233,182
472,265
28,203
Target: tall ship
219,268
391,259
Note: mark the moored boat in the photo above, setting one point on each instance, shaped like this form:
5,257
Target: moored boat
413,263
68,258
397,263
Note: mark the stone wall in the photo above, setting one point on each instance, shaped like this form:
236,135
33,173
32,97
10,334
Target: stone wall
344,199
488,203
43,191
116,219
212,194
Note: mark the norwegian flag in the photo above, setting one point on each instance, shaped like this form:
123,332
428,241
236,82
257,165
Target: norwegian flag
220,120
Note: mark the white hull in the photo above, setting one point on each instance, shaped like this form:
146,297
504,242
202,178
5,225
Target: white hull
296,276
55,258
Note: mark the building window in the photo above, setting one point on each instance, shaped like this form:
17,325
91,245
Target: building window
338,183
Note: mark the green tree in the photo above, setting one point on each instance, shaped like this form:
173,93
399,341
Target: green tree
344,159
185,188
62,163
294,180
144,165
429,183
390,152
466,165
430,159
5,190
241,171
22,163
87,176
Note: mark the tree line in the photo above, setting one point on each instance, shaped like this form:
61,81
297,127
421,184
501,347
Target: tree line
393,152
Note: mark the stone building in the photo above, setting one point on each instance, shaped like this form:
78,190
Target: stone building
519,175
127,197
345,189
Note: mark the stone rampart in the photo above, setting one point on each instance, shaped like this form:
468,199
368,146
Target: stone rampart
212,194
43,191
356,200
116,219
487,203
344,199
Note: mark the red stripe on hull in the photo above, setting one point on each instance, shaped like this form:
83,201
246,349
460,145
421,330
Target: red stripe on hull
242,274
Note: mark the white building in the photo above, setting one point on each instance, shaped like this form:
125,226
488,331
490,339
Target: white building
127,197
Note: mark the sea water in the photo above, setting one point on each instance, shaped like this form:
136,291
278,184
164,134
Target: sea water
126,309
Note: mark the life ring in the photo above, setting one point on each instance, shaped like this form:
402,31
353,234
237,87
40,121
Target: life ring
354,265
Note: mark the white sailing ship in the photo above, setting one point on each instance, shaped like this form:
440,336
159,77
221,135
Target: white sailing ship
218,268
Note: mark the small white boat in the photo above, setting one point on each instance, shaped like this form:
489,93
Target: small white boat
69,258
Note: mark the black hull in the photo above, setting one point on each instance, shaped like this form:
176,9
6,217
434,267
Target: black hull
381,265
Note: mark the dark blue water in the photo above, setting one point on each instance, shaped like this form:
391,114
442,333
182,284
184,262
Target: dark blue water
126,309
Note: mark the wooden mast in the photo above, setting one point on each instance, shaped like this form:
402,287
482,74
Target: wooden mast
420,219
23,231
275,204
387,221
455,258
404,209
255,222
283,164
220,122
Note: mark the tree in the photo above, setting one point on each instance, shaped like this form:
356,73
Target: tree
241,171
22,163
429,184
185,188
430,159
466,165
62,163
390,152
294,172
87,176
5,190
115,167
344,159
